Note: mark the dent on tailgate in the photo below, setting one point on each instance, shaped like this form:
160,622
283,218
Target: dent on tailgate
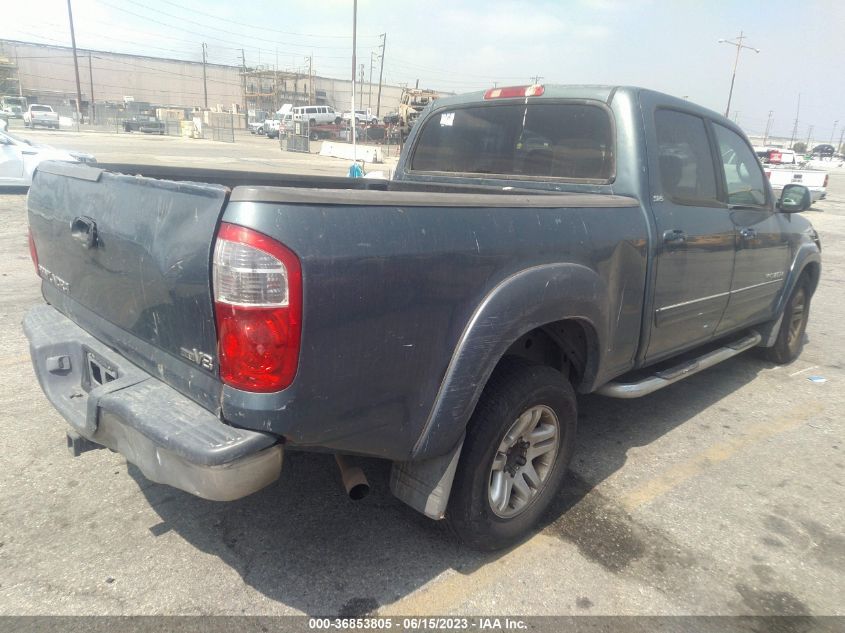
143,283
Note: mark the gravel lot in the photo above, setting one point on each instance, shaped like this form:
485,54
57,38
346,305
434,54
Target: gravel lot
722,494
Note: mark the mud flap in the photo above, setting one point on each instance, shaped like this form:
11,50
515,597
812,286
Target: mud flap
425,485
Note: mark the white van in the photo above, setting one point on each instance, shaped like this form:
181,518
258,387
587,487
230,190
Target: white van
316,114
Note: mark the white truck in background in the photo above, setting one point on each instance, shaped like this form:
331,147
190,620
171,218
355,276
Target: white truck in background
784,167
37,114
814,179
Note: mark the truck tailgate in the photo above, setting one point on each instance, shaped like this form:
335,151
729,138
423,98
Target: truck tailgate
128,259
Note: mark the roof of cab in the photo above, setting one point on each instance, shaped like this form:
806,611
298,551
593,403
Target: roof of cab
554,91
602,93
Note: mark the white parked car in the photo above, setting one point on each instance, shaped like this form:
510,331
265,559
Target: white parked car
362,116
19,158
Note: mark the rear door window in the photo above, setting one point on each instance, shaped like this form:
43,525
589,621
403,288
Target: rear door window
535,140
744,178
687,175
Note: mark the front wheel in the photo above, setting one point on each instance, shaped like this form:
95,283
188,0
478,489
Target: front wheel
796,314
518,444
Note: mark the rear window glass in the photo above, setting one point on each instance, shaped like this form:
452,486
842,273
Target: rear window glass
544,140
686,164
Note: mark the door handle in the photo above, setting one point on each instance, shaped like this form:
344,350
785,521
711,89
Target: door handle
675,236
748,234
84,229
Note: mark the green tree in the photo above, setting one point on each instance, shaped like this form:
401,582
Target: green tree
800,147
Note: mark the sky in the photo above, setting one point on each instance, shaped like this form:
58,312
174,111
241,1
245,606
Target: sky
671,46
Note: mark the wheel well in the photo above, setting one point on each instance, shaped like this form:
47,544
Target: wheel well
565,345
812,271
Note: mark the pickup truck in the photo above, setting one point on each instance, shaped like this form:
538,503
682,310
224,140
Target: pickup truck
536,242
814,179
43,115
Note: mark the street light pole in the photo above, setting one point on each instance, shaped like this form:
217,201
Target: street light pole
739,46
352,121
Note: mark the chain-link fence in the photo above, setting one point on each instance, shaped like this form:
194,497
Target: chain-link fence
222,126
296,138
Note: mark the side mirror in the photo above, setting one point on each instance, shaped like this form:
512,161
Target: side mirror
794,198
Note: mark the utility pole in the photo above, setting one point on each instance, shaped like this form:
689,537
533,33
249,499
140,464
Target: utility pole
841,137
243,87
311,91
361,95
370,97
91,98
536,79
380,74
75,65
204,80
833,133
739,46
795,127
768,127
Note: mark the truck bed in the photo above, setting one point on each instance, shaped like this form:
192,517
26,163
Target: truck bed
393,274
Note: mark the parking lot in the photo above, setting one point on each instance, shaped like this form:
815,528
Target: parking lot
720,495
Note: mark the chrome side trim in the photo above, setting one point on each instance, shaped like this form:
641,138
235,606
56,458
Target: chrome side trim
765,283
669,376
692,301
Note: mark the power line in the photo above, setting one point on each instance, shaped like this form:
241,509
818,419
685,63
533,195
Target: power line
263,28
135,3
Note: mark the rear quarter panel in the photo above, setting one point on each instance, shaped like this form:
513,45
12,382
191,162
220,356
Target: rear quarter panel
389,291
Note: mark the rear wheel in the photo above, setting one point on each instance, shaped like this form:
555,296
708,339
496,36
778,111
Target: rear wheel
796,314
518,445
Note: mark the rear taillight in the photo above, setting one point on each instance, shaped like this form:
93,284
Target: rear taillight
33,252
258,305
509,92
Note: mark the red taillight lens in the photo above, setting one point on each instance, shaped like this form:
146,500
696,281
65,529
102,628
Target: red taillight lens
33,252
258,305
509,92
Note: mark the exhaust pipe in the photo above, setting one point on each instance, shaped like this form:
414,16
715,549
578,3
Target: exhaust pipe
354,480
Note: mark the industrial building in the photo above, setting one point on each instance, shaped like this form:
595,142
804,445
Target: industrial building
45,73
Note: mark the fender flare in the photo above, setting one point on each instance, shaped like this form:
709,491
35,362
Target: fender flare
807,254
520,303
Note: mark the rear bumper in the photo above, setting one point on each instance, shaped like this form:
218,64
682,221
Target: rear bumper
170,438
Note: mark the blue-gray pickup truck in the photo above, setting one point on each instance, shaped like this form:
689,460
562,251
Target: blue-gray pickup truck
535,242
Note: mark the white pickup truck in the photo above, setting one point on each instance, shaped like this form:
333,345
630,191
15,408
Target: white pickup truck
43,115
814,179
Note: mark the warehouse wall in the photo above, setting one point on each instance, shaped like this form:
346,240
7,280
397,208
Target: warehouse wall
47,71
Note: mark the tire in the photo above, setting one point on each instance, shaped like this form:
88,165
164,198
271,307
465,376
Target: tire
260,130
796,314
312,121
516,393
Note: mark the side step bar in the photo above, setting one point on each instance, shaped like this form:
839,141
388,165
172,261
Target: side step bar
686,369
